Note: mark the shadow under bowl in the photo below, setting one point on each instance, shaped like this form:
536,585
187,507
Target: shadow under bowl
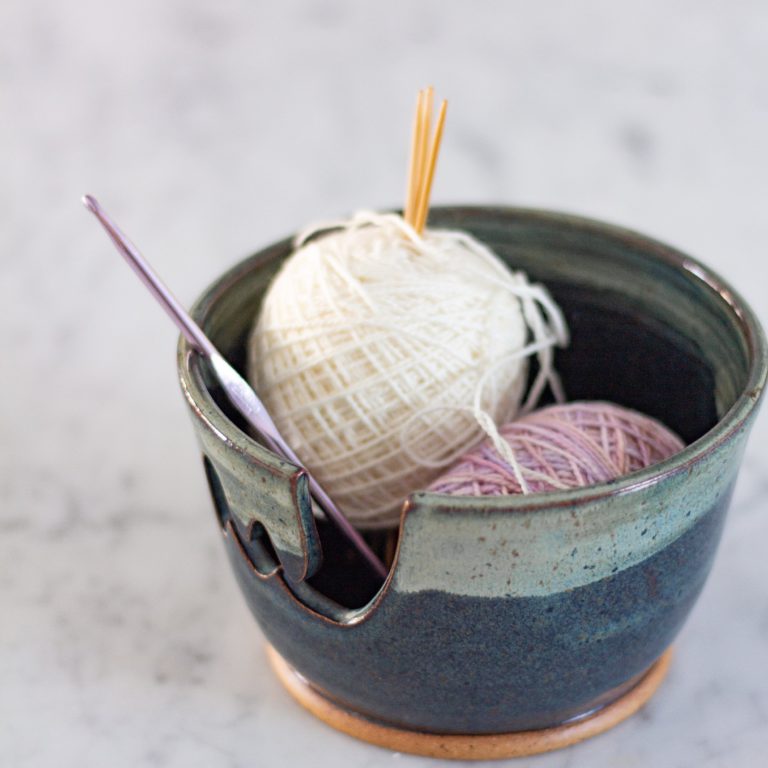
515,613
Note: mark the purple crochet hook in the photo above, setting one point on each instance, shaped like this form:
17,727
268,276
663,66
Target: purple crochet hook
238,391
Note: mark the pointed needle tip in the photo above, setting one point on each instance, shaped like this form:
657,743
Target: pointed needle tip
90,203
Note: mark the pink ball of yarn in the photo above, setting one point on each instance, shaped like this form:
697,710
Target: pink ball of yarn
559,447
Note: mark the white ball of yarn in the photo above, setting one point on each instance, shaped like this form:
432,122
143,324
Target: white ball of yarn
382,355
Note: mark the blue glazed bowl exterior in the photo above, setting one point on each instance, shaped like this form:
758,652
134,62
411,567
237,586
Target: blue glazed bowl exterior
515,613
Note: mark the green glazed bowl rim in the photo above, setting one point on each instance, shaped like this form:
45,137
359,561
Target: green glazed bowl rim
731,421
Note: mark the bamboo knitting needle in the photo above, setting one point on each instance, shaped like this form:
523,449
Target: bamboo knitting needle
423,160
429,172
418,150
413,175
426,118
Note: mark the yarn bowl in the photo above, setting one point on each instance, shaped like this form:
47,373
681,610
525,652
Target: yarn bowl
511,614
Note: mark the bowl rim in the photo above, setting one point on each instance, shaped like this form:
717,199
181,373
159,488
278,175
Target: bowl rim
728,424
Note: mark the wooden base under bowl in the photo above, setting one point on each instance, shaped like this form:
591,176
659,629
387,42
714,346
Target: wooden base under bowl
468,747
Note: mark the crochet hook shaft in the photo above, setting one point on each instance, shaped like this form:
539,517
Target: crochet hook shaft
238,391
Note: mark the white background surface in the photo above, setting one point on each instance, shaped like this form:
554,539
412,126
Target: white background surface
210,129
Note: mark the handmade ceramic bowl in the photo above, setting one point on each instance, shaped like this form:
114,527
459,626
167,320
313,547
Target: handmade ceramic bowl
513,624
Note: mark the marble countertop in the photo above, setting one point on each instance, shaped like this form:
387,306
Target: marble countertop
209,130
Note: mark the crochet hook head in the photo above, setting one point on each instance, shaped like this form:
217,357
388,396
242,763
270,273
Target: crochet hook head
238,391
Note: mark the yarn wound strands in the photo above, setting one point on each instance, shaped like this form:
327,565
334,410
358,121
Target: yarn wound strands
560,447
383,354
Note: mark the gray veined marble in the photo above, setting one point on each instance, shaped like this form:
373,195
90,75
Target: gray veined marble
213,129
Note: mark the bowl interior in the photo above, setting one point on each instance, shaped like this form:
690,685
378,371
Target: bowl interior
651,329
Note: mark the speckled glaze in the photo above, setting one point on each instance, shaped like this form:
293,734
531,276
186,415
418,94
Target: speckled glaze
507,614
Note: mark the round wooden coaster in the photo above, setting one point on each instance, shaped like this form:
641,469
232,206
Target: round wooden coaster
468,747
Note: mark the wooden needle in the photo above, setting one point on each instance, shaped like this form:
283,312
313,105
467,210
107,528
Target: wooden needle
429,172
426,117
421,169
413,178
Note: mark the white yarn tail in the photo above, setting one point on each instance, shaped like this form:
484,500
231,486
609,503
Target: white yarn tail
547,326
